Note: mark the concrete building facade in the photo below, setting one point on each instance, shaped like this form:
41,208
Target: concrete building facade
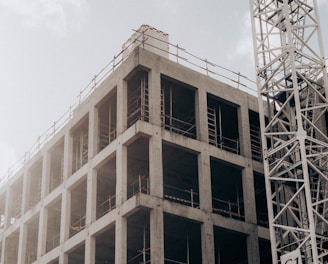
160,164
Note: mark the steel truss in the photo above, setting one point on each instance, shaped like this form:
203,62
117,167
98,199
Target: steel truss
292,83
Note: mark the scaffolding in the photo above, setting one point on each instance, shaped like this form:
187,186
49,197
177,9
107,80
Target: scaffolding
215,134
138,101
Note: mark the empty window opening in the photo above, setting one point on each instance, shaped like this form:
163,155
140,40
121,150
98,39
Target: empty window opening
56,166
230,246
138,167
182,240
106,188
53,226
11,248
32,240
265,251
260,199
107,122
105,247
180,176
227,191
78,208
223,124
76,256
138,97
15,209
138,241
178,107
34,186
80,145
255,133
56,261
2,213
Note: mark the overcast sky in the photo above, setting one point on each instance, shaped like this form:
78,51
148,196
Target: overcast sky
50,49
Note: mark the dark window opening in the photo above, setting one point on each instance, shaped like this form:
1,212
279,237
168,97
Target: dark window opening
227,189
53,226
230,246
138,240
261,201
255,133
265,251
138,97
106,188
78,208
182,240
34,186
56,166
16,200
32,240
107,122
178,107
180,176
223,124
105,247
138,167
76,256
80,145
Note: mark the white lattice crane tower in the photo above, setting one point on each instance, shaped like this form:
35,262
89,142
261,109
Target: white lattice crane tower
293,89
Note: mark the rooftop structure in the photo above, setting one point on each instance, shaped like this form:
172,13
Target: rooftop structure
159,164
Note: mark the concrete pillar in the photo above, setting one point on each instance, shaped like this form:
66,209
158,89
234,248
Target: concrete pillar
121,173
157,235
22,243
244,132
253,251
90,250
65,216
122,110
154,79
121,239
93,132
156,164
204,180
42,234
207,239
68,150
91,196
45,179
201,115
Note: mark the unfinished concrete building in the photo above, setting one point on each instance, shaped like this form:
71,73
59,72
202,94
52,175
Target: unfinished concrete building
159,164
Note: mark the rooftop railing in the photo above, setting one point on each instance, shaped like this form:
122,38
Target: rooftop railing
176,53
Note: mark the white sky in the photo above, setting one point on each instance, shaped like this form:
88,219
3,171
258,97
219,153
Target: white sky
50,49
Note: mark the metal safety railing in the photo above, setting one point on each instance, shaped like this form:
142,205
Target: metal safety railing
187,197
77,226
179,54
106,206
228,208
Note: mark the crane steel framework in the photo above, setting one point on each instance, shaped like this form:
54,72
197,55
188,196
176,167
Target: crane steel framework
292,89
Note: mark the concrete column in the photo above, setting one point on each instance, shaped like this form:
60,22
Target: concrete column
68,150
201,115
244,132
253,251
22,243
90,250
65,216
42,234
154,79
122,110
45,178
156,164
207,239
93,132
121,239
121,173
8,207
157,235
25,192
204,180
91,196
